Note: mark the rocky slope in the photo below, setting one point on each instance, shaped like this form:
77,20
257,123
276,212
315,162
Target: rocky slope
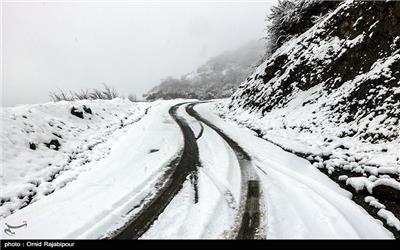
332,95
217,78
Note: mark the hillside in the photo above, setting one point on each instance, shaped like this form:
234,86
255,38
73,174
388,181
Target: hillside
217,78
332,95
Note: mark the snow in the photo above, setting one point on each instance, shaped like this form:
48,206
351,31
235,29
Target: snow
307,125
315,120
33,173
297,201
359,183
387,182
307,130
374,202
99,200
219,193
300,201
390,218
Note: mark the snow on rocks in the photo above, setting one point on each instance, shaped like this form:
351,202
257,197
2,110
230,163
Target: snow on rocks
374,202
390,218
323,97
374,168
46,146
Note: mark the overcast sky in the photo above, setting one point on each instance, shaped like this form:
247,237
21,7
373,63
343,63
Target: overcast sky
128,45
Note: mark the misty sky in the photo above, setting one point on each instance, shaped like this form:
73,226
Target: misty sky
128,45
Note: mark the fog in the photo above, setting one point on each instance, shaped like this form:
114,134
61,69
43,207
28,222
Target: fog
127,45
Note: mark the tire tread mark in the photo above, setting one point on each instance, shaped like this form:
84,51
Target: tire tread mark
189,161
250,221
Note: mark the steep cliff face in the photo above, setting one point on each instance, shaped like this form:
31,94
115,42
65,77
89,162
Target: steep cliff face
349,63
332,95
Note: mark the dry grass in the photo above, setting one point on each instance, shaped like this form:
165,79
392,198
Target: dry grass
107,93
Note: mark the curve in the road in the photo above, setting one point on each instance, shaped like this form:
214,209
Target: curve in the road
187,166
250,221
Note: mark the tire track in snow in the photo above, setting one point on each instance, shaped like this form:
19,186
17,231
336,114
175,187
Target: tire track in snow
187,166
201,131
250,204
227,194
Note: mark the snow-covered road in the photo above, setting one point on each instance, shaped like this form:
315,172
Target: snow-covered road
183,172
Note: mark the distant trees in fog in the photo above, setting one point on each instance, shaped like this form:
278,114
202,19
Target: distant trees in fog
217,78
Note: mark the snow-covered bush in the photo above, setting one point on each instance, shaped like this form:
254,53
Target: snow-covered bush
290,18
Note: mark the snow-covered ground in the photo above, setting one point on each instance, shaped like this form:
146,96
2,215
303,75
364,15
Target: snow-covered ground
296,200
307,130
300,201
218,189
104,191
45,146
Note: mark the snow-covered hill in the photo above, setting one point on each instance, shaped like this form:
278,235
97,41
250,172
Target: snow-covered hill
46,146
217,78
332,95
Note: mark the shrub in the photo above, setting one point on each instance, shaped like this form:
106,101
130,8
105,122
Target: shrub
108,93
132,98
290,18
60,95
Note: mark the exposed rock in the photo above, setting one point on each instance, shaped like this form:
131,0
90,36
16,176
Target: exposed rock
386,192
32,146
76,112
87,109
53,144
351,58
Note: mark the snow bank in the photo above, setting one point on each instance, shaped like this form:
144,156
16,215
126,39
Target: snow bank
46,146
112,190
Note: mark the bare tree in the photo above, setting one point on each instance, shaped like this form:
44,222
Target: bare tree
132,98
